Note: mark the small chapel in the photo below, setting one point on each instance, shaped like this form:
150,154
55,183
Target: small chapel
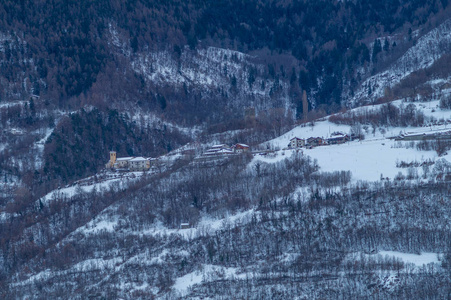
130,163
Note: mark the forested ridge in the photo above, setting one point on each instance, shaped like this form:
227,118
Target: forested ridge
320,243
166,80
62,47
114,55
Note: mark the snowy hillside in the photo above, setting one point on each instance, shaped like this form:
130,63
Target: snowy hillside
258,220
423,54
379,153
213,69
265,171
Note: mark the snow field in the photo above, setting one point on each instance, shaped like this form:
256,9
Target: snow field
89,184
367,160
371,158
206,226
417,259
208,273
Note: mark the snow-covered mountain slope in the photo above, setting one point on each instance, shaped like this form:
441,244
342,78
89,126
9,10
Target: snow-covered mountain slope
378,155
364,219
213,69
208,67
423,54
253,221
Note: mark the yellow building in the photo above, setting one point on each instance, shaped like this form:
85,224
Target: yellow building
130,163
112,161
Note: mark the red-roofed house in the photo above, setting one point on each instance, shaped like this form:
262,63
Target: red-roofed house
239,148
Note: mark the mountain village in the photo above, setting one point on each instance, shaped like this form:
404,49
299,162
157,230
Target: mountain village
139,163
257,149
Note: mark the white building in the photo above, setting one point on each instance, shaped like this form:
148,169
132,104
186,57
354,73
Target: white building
296,143
139,164
131,163
123,162
219,150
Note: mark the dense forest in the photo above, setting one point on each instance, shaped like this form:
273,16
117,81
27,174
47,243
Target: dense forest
62,50
89,133
68,55
166,80
319,240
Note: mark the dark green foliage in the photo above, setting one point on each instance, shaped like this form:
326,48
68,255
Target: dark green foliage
80,144
69,42
305,224
386,45
331,29
233,81
251,77
377,48
134,44
162,101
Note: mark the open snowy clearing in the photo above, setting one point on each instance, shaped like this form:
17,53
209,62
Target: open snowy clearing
212,272
87,185
208,273
417,259
367,160
206,226
371,158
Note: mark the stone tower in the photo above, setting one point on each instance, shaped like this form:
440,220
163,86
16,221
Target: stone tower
112,158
